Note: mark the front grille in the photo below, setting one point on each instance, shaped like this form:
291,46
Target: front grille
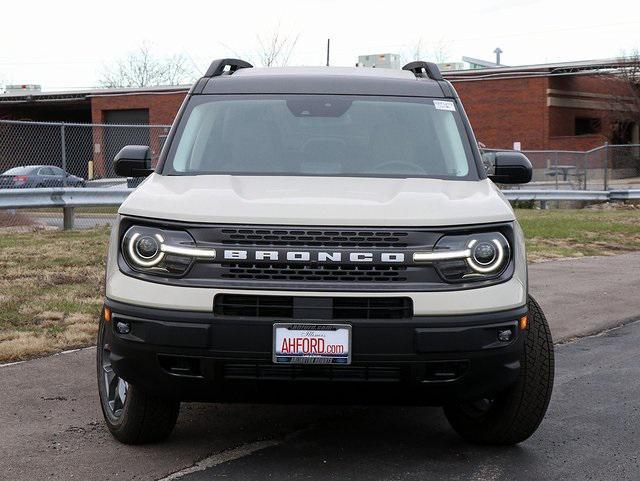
314,258
314,237
238,371
298,307
315,272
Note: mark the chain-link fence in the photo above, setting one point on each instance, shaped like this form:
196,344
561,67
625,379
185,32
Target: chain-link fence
85,151
48,154
51,154
603,168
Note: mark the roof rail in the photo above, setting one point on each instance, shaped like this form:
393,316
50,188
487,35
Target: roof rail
218,67
424,69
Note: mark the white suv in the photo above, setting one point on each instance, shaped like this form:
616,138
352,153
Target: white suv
322,235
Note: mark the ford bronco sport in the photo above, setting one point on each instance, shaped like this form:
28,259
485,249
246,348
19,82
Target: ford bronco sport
322,235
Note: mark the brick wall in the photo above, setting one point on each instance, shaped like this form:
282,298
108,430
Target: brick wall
162,106
504,111
162,109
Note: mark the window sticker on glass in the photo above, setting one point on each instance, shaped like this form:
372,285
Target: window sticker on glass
444,105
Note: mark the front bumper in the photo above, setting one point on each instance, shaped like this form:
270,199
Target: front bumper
192,355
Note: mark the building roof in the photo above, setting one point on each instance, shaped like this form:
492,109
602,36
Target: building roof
481,63
544,69
83,94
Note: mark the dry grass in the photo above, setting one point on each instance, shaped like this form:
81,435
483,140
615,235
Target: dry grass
553,234
51,290
51,282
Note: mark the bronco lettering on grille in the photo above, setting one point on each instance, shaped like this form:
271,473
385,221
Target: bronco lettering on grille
308,256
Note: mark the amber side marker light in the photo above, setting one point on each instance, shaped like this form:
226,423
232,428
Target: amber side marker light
524,320
107,314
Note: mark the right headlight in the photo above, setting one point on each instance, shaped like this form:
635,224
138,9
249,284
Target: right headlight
161,251
468,257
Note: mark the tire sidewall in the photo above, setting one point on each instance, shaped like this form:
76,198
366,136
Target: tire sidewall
113,421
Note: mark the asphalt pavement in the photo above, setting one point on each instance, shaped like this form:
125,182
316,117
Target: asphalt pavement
591,432
51,426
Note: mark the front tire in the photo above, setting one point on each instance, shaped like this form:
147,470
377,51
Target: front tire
515,414
132,415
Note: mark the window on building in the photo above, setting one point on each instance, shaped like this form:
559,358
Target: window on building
587,125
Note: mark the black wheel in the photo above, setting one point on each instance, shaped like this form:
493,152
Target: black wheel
514,415
132,415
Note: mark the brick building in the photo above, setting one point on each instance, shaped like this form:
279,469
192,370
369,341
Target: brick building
567,106
89,151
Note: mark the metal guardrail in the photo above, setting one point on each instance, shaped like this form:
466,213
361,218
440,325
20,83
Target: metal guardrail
70,198
543,195
633,194
66,198
586,195
61,197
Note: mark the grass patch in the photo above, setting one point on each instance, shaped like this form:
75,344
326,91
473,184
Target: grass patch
51,290
575,233
51,282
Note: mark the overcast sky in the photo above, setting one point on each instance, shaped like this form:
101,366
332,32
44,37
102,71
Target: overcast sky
66,44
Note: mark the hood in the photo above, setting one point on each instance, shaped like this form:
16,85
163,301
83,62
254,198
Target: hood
325,201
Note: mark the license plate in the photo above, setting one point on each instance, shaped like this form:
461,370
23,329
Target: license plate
311,343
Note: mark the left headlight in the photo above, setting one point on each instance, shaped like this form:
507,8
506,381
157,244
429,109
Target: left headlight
468,257
160,251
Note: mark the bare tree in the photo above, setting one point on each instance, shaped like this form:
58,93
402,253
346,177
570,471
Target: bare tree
276,49
436,51
624,107
143,69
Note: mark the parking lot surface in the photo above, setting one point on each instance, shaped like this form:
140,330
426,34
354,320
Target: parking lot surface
591,432
51,426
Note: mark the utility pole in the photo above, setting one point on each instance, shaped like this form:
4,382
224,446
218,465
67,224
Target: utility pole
497,51
328,49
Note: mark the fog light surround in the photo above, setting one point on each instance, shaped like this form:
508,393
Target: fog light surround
505,335
123,327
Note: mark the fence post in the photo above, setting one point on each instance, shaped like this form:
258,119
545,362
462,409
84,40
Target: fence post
586,167
606,165
68,214
556,169
63,149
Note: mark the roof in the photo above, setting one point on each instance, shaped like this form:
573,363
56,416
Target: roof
83,94
544,69
482,63
323,80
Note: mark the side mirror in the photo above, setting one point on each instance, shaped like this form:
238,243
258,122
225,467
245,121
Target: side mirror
133,161
511,168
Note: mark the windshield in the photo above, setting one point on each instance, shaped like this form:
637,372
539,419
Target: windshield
323,135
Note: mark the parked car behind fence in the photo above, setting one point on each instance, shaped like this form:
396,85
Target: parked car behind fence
34,176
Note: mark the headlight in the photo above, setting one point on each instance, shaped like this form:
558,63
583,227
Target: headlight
160,251
468,257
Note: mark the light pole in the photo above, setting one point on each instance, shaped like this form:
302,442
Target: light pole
328,47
